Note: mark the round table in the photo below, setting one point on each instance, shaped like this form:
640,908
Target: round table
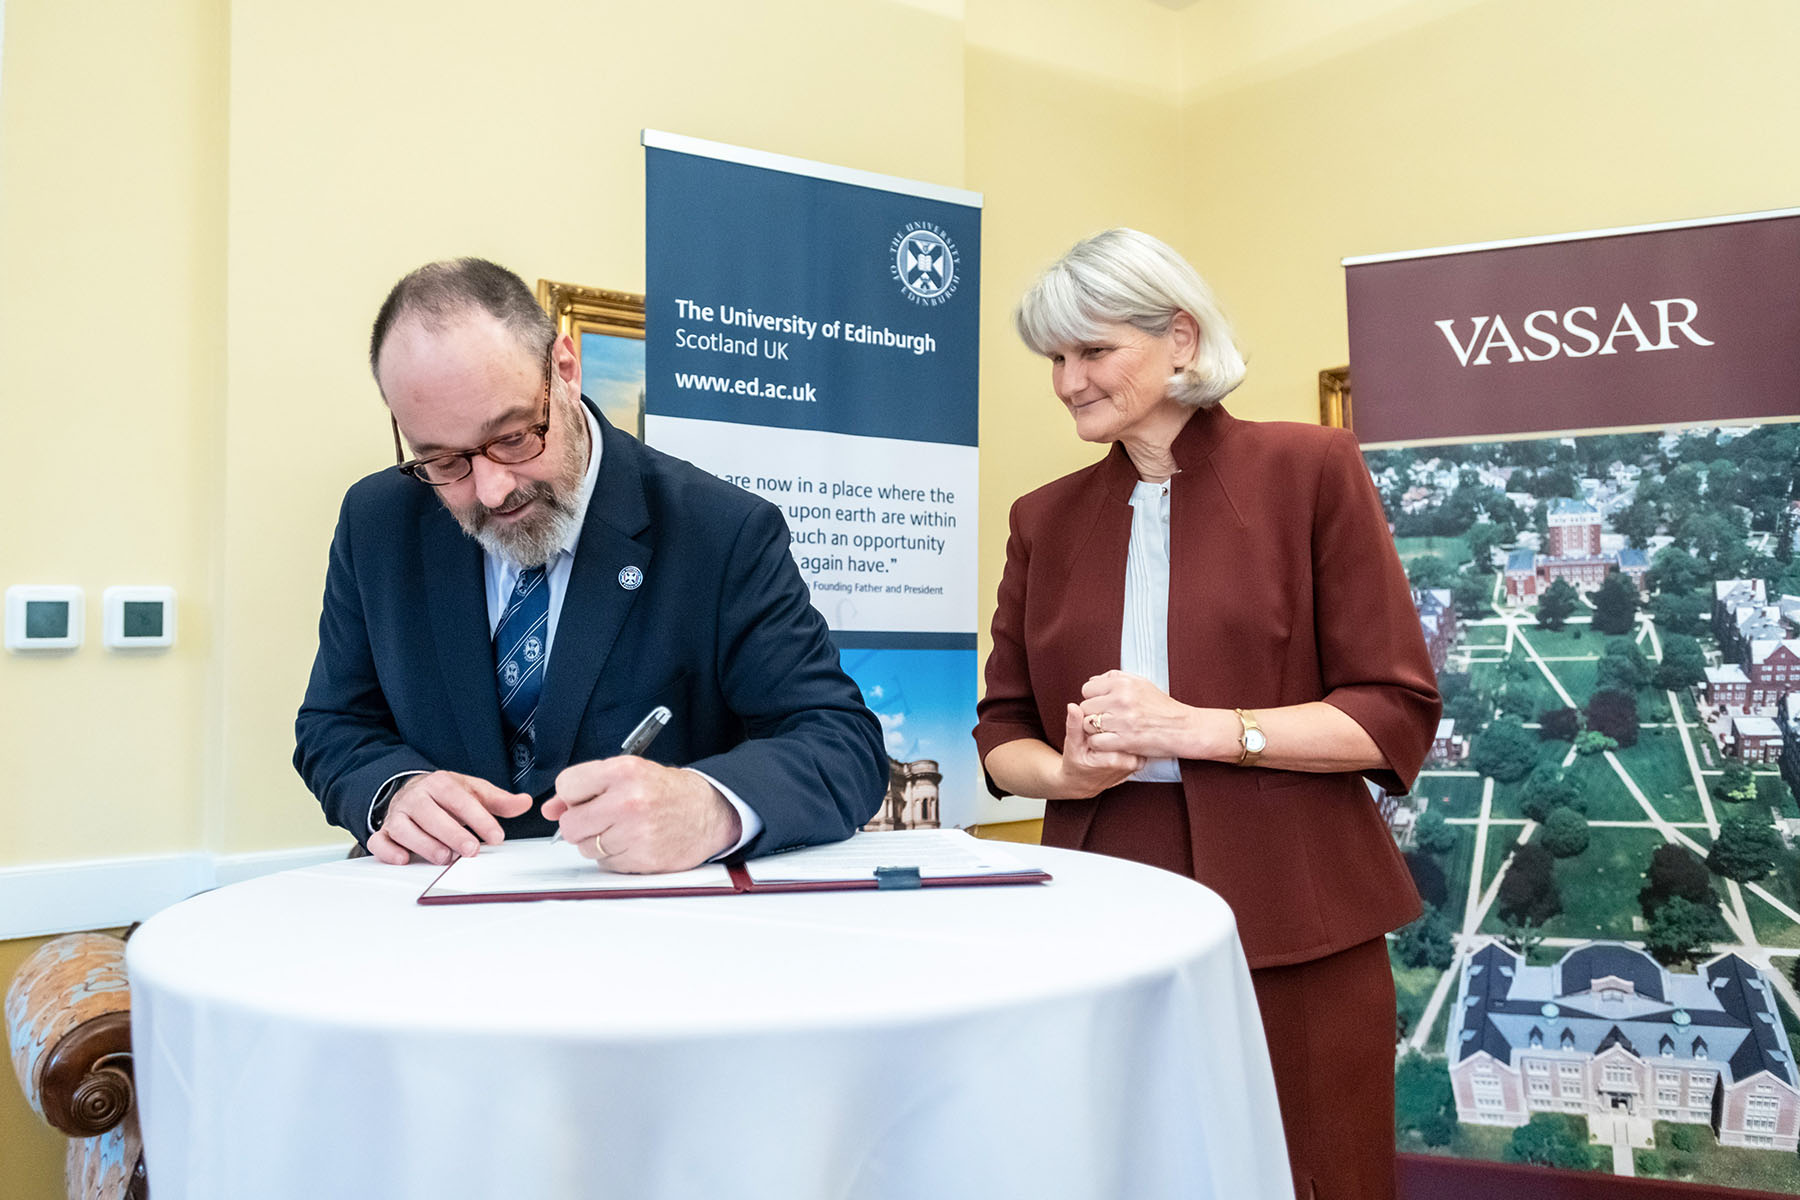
317,1033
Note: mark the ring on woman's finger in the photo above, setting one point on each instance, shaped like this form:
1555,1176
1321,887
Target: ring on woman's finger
598,848
1094,722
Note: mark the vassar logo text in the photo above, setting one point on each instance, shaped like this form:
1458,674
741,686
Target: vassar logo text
1576,333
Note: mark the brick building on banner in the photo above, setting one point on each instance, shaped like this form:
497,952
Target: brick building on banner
1606,1031
1571,553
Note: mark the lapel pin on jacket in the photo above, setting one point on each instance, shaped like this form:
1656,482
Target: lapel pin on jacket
631,579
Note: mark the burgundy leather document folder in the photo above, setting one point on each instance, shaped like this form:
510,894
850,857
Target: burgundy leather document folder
541,869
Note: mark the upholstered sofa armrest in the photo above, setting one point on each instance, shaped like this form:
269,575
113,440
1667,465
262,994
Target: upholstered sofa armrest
68,1021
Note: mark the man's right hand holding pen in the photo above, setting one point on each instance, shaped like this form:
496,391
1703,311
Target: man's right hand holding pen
637,816
640,817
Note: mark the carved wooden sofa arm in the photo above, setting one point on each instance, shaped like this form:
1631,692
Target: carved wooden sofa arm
68,1021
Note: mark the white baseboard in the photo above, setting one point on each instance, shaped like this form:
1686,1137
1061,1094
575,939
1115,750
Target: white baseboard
68,897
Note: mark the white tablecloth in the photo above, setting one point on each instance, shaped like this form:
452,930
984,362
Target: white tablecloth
315,1034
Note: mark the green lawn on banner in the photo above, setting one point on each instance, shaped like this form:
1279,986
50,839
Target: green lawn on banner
1456,875
1483,637
1607,797
1773,792
1460,795
1660,769
1571,641
1773,927
1454,551
1412,990
1576,677
1500,843
1719,1166
1598,887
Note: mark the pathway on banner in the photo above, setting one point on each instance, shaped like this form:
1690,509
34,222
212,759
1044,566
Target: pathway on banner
1519,831
1733,909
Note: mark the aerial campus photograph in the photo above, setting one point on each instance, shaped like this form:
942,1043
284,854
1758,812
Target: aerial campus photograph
1606,834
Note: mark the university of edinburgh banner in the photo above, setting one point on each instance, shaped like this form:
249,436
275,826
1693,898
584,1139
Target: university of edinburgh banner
811,336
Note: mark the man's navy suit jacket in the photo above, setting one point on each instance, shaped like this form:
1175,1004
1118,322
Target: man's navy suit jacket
722,630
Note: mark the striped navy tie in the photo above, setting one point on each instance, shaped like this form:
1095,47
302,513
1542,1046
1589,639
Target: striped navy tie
520,643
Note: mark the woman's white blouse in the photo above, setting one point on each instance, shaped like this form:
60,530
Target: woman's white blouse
1144,638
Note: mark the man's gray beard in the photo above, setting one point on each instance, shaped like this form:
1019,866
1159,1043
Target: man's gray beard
530,543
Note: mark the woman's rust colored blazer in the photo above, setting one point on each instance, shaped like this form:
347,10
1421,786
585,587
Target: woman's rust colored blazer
1284,588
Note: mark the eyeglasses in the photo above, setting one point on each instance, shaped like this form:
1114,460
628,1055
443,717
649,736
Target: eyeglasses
509,449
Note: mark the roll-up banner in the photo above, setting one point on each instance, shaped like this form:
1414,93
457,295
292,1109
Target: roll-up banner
1588,452
1628,328
811,336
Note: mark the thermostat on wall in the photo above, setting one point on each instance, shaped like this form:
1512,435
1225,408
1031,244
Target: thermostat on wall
138,617
43,617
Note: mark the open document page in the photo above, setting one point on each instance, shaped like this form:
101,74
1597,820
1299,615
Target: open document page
935,853
543,868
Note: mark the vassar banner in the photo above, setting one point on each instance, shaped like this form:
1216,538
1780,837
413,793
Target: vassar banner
1628,328
1588,453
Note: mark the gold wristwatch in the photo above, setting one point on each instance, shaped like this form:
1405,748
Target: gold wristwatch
1251,740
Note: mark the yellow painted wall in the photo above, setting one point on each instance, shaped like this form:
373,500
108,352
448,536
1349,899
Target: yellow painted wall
1475,122
111,324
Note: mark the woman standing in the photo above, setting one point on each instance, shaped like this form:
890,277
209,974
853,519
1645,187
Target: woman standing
1203,643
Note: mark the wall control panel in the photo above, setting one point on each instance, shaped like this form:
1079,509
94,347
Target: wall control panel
44,617
138,618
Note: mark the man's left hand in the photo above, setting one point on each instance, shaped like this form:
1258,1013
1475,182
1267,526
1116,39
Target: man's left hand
637,816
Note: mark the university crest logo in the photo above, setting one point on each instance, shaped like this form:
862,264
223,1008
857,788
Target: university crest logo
925,261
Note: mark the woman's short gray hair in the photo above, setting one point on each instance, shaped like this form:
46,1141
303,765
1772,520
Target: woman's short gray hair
1130,278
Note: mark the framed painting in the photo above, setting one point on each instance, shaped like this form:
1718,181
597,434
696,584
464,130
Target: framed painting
1334,397
608,329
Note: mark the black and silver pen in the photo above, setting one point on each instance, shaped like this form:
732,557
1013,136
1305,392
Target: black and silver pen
639,739
636,742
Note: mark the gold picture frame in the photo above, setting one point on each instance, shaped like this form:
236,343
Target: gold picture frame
1334,397
608,330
